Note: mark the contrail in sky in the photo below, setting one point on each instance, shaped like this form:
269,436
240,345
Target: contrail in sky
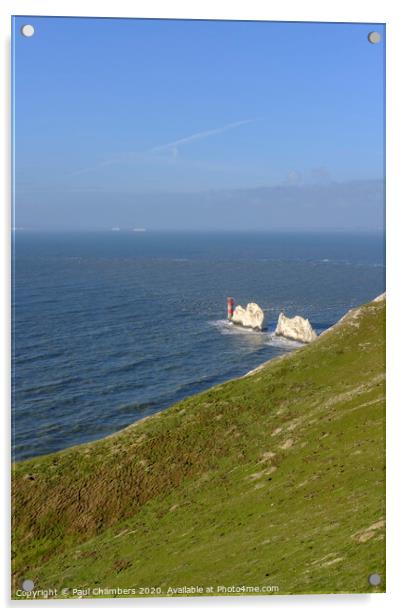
171,147
198,136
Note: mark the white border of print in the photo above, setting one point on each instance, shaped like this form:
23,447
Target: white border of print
387,11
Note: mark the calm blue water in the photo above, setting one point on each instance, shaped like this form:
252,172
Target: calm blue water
111,326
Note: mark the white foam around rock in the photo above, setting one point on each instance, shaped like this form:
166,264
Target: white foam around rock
296,328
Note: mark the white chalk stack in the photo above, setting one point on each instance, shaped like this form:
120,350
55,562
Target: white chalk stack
252,316
296,328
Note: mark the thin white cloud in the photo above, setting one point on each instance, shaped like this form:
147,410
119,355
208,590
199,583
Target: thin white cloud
174,145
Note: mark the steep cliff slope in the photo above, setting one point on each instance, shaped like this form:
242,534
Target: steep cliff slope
272,480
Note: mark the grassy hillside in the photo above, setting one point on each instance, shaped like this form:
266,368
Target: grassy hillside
275,479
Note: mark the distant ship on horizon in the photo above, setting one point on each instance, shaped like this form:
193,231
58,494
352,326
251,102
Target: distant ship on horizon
133,229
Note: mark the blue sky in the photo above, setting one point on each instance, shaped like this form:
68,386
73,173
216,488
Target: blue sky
111,112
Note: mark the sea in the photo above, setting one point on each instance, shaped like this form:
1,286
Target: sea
109,327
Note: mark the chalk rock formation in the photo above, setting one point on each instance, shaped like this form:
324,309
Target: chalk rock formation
252,316
296,329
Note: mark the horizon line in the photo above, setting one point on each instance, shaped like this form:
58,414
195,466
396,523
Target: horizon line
144,231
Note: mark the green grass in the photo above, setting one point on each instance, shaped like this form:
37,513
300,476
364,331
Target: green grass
275,479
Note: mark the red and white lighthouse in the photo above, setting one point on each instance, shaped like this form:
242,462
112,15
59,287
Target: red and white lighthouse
230,304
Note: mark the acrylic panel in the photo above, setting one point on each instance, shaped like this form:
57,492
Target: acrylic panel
198,380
